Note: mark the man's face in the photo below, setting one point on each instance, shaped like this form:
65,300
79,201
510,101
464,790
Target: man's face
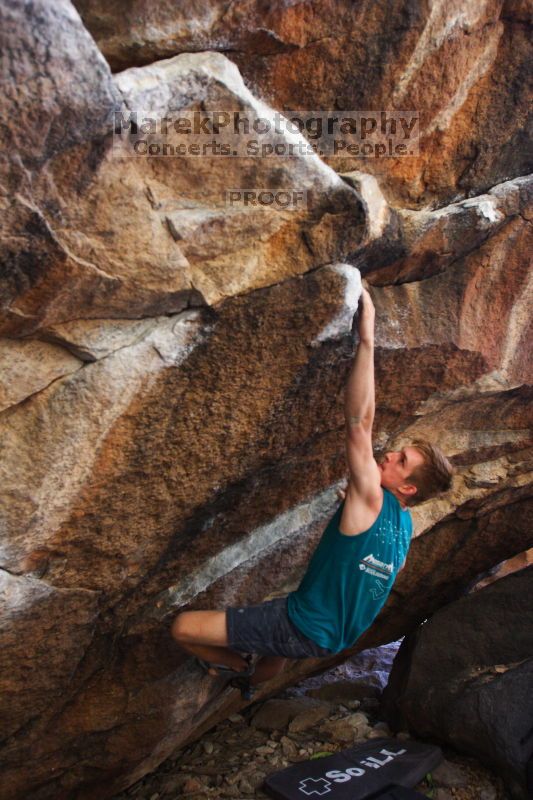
397,466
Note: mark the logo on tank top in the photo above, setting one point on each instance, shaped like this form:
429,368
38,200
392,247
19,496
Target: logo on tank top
375,567
378,590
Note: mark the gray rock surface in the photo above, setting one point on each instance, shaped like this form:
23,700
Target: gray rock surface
464,677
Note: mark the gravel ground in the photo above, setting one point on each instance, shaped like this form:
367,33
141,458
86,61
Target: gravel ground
319,716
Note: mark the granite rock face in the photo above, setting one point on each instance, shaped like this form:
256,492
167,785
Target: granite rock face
464,678
462,65
171,391
140,236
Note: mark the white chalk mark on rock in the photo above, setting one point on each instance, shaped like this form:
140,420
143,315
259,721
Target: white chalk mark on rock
342,324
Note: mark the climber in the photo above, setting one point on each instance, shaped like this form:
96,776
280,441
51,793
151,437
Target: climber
355,563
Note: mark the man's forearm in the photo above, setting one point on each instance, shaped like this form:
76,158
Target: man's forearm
359,400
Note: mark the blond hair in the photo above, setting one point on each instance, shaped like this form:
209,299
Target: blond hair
433,476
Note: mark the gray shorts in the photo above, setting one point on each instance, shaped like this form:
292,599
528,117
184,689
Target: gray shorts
266,629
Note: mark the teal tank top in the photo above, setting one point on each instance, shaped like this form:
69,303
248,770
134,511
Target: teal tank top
349,577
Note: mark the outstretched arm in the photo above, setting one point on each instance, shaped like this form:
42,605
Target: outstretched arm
359,399
359,408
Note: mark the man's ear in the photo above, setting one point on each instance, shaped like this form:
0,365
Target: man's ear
408,489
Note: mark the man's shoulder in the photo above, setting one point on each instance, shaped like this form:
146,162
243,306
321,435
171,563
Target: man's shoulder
372,495
360,510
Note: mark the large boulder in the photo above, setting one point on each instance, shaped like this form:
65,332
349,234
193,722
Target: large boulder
462,66
171,407
464,678
140,236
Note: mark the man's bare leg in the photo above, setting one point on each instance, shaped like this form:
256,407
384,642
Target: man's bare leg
216,655
204,634
265,668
